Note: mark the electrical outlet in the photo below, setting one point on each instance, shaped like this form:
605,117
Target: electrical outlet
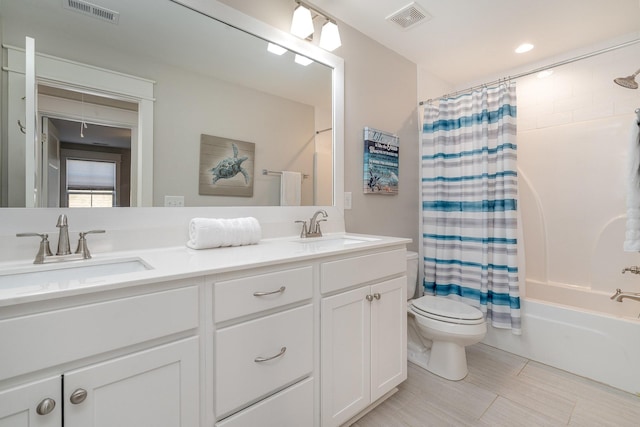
174,201
347,200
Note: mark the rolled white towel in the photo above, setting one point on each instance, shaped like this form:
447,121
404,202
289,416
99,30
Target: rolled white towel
214,232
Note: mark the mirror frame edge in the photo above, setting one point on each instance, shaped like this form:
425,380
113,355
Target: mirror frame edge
233,17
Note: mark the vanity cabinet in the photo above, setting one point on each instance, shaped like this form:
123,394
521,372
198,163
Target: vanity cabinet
156,387
35,404
311,339
263,349
363,336
129,361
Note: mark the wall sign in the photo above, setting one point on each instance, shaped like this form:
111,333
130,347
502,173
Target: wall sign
381,162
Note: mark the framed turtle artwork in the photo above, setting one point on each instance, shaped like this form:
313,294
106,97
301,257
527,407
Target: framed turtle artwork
226,167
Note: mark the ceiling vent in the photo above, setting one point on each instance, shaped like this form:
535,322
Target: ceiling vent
89,9
409,16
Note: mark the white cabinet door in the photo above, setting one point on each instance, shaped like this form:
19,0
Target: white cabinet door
153,388
21,406
388,336
345,355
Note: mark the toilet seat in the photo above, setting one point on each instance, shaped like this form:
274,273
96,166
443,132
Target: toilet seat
446,310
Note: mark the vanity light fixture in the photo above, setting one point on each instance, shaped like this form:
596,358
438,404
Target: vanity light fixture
302,26
302,60
274,48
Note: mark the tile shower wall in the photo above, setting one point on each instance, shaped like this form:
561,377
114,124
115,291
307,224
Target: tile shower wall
574,132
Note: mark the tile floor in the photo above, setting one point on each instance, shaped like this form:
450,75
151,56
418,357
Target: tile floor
503,389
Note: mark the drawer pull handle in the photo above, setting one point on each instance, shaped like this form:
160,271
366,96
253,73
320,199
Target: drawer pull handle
78,396
369,298
263,294
46,406
376,295
266,359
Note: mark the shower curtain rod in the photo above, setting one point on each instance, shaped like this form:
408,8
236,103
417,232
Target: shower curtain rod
537,70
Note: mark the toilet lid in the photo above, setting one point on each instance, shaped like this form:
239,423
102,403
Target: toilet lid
446,309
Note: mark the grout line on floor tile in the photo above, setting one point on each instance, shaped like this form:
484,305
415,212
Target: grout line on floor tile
488,407
523,366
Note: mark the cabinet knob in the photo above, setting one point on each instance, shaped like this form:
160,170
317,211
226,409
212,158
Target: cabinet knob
46,406
78,396
376,295
369,298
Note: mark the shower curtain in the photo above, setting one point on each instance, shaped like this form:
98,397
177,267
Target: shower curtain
469,202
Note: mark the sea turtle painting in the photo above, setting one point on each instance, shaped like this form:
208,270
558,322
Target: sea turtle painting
230,167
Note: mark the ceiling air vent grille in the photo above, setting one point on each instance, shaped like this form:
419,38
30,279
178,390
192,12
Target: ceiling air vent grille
89,9
409,16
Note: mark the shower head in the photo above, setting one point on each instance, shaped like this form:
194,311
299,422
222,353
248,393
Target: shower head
629,82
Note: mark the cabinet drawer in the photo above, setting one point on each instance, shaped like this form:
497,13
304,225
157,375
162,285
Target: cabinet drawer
239,297
292,407
340,274
48,339
240,379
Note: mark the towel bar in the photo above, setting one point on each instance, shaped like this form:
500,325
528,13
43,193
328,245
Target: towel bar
268,172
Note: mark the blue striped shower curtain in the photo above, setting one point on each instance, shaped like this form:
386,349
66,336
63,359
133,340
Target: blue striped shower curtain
469,201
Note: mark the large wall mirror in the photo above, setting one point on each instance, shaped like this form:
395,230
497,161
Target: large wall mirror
216,107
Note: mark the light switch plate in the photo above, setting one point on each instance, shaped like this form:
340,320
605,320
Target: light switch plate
347,200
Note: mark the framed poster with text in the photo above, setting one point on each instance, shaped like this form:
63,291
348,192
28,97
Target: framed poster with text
381,162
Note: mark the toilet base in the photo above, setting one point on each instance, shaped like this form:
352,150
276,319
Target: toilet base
445,359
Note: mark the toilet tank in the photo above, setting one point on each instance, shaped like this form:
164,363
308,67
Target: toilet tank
412,274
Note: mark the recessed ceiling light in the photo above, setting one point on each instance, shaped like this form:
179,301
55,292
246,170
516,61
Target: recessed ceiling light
524,47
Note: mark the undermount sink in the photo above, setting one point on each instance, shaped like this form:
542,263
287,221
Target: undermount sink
334,241
66,274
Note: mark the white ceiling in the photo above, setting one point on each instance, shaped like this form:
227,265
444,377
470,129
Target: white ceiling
467,40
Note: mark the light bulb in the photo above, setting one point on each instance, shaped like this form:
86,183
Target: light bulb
330,36
302,23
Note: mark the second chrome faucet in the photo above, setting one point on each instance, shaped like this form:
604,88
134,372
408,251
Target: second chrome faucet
314,225
64,248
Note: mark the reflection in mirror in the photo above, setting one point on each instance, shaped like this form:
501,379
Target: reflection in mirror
208,78
99,139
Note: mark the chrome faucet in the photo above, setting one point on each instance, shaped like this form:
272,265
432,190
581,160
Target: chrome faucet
619,295
64,250
314,225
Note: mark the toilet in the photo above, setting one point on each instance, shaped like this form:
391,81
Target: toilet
439,329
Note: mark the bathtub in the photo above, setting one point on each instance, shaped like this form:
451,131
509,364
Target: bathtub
577,330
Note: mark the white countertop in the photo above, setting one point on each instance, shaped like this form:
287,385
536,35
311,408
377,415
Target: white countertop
174,263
